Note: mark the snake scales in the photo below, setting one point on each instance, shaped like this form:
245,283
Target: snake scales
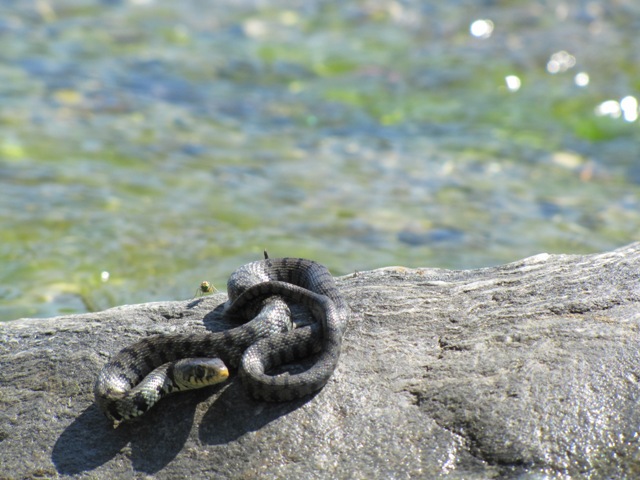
141,374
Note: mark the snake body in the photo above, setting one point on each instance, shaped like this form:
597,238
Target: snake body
259,293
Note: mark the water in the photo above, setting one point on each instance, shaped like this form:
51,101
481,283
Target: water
146,146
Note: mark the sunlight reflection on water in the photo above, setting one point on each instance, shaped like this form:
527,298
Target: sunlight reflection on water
627,108
481,28
145,148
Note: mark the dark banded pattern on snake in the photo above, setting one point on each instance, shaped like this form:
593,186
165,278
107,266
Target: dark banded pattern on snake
257,289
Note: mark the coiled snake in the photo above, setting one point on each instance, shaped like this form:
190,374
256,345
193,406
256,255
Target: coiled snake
143,373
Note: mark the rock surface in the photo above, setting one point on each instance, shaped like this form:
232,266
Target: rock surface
522,370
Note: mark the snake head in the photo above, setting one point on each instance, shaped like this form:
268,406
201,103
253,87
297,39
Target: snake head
192,373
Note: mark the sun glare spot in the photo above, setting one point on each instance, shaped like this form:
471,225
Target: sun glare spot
629,107
481,28
581,79
513,83
560,62
609,108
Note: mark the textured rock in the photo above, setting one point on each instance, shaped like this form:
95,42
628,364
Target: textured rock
524,369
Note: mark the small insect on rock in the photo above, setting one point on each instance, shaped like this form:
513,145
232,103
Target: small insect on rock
205,289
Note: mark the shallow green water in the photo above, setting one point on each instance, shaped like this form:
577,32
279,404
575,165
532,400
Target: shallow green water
169,142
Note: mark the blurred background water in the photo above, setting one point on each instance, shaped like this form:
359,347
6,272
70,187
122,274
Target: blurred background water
147,145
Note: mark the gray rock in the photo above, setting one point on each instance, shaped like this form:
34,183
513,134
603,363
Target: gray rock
524,370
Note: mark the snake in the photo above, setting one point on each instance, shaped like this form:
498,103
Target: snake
266,341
